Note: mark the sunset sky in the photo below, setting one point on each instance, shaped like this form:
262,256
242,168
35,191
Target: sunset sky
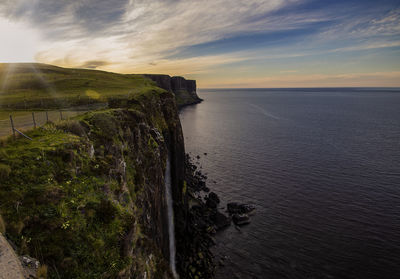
220,43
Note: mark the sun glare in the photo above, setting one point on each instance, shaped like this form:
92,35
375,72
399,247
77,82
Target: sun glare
18,42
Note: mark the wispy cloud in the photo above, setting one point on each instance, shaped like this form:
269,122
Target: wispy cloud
195,37
288,71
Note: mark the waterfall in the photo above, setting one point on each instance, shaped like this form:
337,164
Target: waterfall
171,225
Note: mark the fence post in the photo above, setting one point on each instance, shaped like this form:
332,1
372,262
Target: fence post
47,117
33,118
12,125
61,115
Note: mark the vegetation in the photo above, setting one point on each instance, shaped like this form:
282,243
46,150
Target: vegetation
2,225
29,86
62,204
78,196
55,213
4,171
42,272
68,200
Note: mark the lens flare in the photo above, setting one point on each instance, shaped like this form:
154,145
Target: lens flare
18,42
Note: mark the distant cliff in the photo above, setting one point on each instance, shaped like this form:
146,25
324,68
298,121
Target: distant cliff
183,89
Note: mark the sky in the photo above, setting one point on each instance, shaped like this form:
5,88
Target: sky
220,43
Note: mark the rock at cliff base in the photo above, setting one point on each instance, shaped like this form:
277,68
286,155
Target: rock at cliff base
241,219
237,208
212,200
221,220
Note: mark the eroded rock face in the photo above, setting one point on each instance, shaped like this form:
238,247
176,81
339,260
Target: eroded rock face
185,91
163,81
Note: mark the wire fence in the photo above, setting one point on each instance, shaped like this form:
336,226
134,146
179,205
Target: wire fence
23,121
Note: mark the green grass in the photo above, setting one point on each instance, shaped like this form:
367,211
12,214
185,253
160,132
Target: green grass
28,86
69,207
56,214
5,114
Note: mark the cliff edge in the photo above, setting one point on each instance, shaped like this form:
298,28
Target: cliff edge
87,196
185,91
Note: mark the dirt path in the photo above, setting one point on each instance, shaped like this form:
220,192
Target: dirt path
10,266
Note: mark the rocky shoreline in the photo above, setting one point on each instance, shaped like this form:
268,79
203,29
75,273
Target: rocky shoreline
191,103
205,220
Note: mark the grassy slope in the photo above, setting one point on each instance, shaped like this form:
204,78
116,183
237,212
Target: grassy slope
45,86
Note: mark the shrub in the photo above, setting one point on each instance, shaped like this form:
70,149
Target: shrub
5,171
2,225
153,145
41,272
73,127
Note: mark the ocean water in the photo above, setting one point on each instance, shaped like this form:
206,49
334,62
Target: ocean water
322,167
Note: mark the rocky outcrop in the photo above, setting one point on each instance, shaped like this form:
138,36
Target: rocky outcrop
185,91
10,266
163,81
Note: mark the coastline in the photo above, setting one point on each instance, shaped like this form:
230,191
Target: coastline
182,106
145,127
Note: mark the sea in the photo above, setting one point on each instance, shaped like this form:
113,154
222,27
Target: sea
322,168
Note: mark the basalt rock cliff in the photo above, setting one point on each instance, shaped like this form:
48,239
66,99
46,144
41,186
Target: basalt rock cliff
86,196
185,90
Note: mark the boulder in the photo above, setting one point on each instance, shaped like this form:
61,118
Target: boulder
241,219
233,207
221,220
237,208
212,200
247,208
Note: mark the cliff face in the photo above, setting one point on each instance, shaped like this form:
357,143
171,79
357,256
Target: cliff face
184,90
87,196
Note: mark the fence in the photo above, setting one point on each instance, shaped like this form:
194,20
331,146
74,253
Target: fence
23,121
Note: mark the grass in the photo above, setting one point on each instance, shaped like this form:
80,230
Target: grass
41,273
69,207
63,213
30,86
5,114
2,226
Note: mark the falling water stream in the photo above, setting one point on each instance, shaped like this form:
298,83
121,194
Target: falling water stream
171,225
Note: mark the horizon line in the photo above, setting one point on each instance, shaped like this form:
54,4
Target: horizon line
316,87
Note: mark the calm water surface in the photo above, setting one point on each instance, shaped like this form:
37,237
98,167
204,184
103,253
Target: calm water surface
322,166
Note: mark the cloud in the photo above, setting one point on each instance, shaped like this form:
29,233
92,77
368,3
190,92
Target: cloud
199,36
60,19
93,64
147,31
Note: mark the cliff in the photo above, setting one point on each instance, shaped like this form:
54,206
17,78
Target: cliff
87,196
184,90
